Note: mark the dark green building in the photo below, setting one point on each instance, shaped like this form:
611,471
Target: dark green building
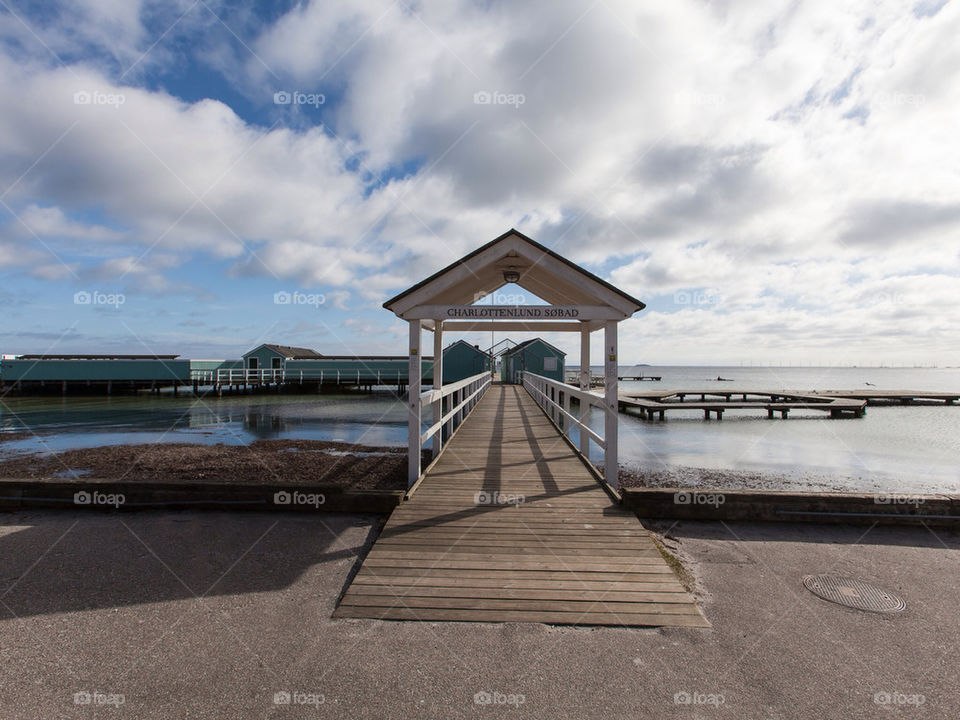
462,360
536,356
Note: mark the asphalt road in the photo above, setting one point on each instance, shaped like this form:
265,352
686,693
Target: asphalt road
214,615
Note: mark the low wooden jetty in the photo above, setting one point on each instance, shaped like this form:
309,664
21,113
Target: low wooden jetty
716,402
895,397
509,525
598,380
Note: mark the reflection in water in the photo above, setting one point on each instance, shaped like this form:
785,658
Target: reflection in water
376,419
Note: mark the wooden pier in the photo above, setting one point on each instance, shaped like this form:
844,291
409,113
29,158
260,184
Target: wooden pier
895,397
598,380
715,402
509,525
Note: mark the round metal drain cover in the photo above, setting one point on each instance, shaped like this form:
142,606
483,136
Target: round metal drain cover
853,593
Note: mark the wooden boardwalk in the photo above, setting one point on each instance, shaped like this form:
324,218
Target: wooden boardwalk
509,526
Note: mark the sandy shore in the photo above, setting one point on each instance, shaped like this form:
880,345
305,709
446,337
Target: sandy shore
694,477
357,466
264,461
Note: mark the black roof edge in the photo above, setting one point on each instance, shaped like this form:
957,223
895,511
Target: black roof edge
544,248
520,346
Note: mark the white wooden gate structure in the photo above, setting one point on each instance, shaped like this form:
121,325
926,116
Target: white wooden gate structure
579,301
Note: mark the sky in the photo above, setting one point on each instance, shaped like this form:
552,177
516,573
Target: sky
778,181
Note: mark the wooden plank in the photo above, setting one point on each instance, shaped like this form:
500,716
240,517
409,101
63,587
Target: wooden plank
534,543
659,608
503,616
578,594
571,576
428,528
658,584
543,563
540,552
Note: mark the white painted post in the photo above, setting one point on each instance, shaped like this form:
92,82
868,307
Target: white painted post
437,382
413,405
584,385
611,402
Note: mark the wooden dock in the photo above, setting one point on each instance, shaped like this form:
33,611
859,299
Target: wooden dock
657,403
510,526
895,397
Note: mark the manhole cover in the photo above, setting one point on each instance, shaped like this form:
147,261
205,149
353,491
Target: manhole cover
853,593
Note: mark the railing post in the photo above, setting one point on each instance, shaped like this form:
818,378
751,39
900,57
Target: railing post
585,387
611,403
438,383
413,405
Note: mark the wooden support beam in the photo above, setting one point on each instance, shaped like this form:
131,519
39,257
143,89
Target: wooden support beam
584,385
610,425
509,326
413,405
437,382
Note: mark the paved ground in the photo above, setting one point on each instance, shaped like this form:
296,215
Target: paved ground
209,615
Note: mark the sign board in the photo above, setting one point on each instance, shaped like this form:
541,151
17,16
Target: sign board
513,312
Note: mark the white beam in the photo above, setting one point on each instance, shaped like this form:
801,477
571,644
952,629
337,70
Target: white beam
438,383
513,312
501,326
413,405
584,385
612,408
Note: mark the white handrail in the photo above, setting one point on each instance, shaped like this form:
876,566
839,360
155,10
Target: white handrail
472,388
538,387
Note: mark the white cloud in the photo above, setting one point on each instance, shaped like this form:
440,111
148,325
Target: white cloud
791,159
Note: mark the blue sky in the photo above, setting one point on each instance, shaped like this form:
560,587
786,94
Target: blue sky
774,179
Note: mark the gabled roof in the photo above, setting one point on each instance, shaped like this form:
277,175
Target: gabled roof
61,356
542,272
496,350
287,351
469,345
525,343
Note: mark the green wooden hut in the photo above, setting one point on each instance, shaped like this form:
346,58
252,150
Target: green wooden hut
274,357
462,360
536,356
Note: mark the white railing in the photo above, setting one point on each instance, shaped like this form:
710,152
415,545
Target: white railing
239,376
229,376
465,395
554,397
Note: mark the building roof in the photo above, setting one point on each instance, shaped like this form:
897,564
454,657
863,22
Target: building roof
63,356
365,357
526,343
469,345
542,272
496,350
288,351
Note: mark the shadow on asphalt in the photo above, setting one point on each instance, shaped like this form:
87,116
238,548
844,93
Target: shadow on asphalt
56,562
842,534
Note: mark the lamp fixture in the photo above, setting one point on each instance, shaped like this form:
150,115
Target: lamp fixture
511,275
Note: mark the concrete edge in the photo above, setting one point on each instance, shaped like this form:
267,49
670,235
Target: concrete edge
787,506
107,495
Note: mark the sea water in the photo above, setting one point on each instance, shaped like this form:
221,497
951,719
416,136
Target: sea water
894,448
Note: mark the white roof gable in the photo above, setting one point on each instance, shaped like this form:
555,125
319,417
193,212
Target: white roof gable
542,272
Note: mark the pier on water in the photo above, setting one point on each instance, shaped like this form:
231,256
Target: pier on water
510,525
838,403
511,521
